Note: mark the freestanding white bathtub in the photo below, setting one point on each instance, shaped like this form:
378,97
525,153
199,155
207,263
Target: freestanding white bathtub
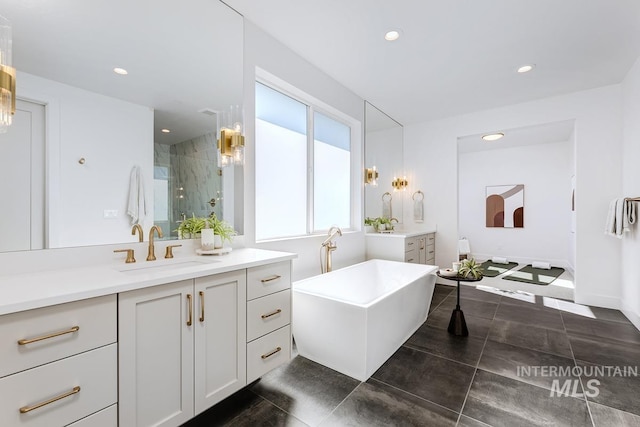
353,319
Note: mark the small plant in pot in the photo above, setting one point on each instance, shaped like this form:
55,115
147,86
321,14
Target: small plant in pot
470,269
221,228
190,227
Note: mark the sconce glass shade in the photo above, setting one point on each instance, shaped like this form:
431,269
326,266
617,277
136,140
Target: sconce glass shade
371,176
231,142
7,77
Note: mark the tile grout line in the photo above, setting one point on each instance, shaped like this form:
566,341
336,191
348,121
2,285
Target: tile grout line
575,363
282,409
464,402
413,395
341,402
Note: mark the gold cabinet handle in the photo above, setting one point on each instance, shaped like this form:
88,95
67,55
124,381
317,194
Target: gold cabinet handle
46,337
410,244
273,313
271,353
201,306
190,308
26,409
270,279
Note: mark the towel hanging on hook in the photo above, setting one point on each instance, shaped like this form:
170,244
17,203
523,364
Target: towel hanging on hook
418,206
386,206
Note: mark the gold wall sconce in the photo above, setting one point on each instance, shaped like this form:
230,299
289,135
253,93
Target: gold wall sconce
231,142
371,176
400,184
7,77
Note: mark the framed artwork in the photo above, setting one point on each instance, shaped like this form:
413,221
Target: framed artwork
505,206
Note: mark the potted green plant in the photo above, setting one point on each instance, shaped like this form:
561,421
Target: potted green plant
221,228
470,269
370,225
383,223
190,227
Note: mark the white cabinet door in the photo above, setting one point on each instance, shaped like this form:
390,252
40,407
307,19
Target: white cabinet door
156,355
220,337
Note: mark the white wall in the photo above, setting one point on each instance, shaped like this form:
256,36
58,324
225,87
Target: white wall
631,188
263,51
545,171
430,158
112,136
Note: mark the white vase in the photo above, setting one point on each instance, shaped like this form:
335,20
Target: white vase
217,241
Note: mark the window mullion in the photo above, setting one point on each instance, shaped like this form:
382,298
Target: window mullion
310,170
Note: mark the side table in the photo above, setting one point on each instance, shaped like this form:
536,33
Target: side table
457,324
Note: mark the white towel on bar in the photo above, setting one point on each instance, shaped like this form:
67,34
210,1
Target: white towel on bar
541,264
620,217
386,208
137,206
463,247
418,211
499,260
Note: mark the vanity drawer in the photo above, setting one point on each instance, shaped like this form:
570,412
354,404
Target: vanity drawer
267,279
268,313
431,251
108,417
411,256
95,320
94,372
431,239
410,243
268,352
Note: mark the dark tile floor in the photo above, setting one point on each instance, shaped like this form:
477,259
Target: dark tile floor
436,379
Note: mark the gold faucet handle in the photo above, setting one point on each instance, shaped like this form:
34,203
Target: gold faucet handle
130,257
169,251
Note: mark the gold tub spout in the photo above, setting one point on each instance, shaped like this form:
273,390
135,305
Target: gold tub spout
151,256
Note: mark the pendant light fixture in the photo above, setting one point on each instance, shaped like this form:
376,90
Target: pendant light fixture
7,77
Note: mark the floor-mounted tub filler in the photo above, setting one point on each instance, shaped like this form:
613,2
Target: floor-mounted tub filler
353,319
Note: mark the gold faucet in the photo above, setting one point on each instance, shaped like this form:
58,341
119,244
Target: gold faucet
151,256
330,246
138,228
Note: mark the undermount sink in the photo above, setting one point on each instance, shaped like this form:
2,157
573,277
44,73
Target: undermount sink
143,268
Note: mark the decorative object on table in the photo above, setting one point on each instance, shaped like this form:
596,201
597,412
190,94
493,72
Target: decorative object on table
448,272
386,205
220,251
505,206
464,249
493,269
456,266
418,206
207,238
535,276
470,269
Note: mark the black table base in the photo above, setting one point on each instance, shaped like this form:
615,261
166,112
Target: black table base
457,324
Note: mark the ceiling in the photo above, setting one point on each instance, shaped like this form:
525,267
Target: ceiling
456,56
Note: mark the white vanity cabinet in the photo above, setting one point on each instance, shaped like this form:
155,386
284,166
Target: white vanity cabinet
418,248
182,348
59,364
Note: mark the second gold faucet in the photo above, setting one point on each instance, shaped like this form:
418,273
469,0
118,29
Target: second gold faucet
151,256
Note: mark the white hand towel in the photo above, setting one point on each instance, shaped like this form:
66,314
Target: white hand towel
499,260
136,208
541,264
463,247
629,215
418,211
610,225
619,217
386,208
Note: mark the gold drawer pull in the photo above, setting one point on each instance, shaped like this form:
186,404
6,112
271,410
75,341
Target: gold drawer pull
46,337
26,409
270,279
190,308
201,306
273,313
410,243
271,353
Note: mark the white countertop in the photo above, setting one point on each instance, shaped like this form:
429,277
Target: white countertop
402,233
26,291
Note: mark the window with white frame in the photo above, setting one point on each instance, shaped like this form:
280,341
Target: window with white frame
303,167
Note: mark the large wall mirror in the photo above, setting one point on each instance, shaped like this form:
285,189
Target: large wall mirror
83,135
384,150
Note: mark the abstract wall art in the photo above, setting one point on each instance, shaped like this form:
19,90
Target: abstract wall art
505,206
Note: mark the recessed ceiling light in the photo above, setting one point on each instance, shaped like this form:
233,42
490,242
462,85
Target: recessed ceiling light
526,68
392,35
166,130
493,136
120,71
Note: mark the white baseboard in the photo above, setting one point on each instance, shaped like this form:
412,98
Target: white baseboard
632,316
594,300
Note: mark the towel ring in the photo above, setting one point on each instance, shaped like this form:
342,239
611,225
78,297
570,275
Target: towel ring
413,197
387,194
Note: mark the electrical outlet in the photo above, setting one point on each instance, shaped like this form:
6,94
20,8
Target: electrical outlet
110,213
